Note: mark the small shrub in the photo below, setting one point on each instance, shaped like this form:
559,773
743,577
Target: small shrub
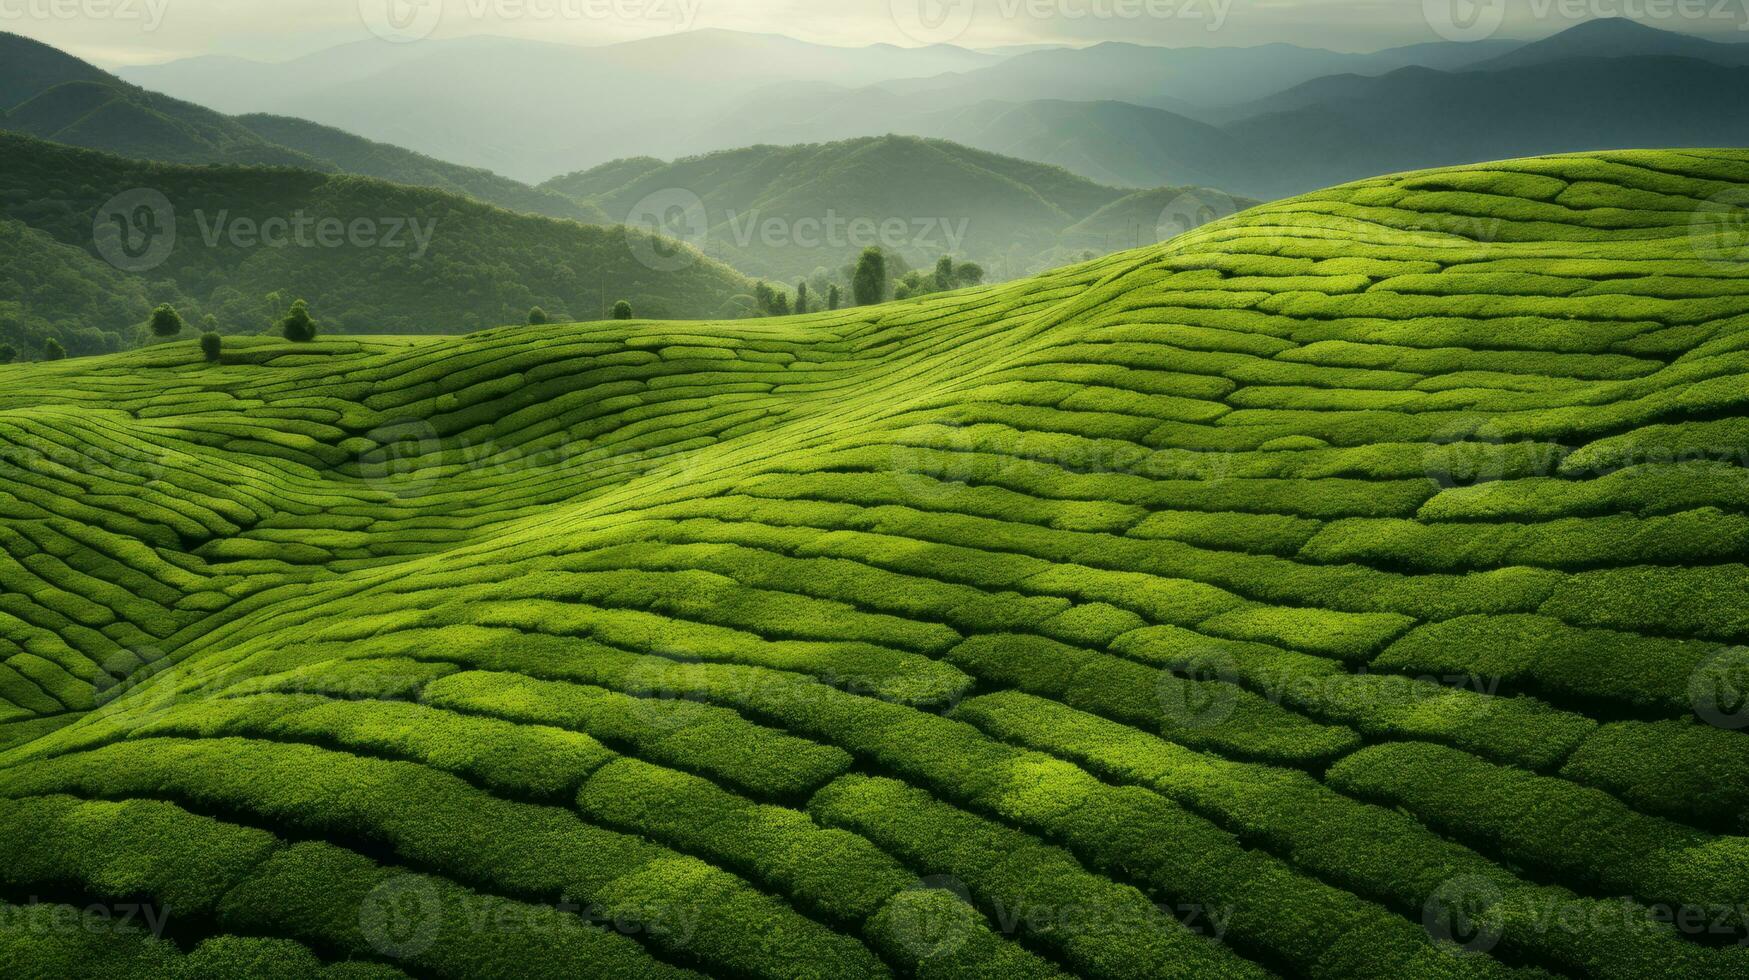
622,310
212,345
53,351
536,316
298,326
166,322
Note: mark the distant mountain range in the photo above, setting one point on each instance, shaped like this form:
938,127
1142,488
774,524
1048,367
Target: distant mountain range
523,108
1180,79
1264,121
47,93
1343,128
1599,85
785,212
1617,37
531,109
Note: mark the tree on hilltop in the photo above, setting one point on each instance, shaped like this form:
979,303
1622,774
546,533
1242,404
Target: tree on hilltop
166,322
536,316
869,285
298,326
622,310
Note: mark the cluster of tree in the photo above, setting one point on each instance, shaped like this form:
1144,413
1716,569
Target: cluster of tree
537,317
947,275
297,325
770,300
51,350
167,323
876,276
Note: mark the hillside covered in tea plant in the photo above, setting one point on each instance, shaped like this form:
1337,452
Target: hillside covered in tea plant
1347,588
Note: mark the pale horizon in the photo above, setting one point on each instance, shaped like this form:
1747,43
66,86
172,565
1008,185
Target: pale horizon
148,32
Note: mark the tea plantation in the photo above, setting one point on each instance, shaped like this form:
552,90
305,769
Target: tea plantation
1349,588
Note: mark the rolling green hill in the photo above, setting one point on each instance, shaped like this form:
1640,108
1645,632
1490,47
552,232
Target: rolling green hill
430,262
1349,588
1008,214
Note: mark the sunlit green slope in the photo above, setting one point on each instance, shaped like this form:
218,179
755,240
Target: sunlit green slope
1347,588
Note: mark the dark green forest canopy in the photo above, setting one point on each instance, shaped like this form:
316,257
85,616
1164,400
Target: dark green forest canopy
429,262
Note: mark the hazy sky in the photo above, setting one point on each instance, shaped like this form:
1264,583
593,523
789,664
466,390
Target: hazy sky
133,31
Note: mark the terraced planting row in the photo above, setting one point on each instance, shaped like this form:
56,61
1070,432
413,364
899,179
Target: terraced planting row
1349,588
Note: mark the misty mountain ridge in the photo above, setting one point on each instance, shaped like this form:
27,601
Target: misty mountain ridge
47,93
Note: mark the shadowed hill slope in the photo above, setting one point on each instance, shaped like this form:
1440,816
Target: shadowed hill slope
786,211
1347,578
357,155
395,259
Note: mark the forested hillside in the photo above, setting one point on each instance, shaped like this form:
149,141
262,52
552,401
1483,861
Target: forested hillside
794,212
423,261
